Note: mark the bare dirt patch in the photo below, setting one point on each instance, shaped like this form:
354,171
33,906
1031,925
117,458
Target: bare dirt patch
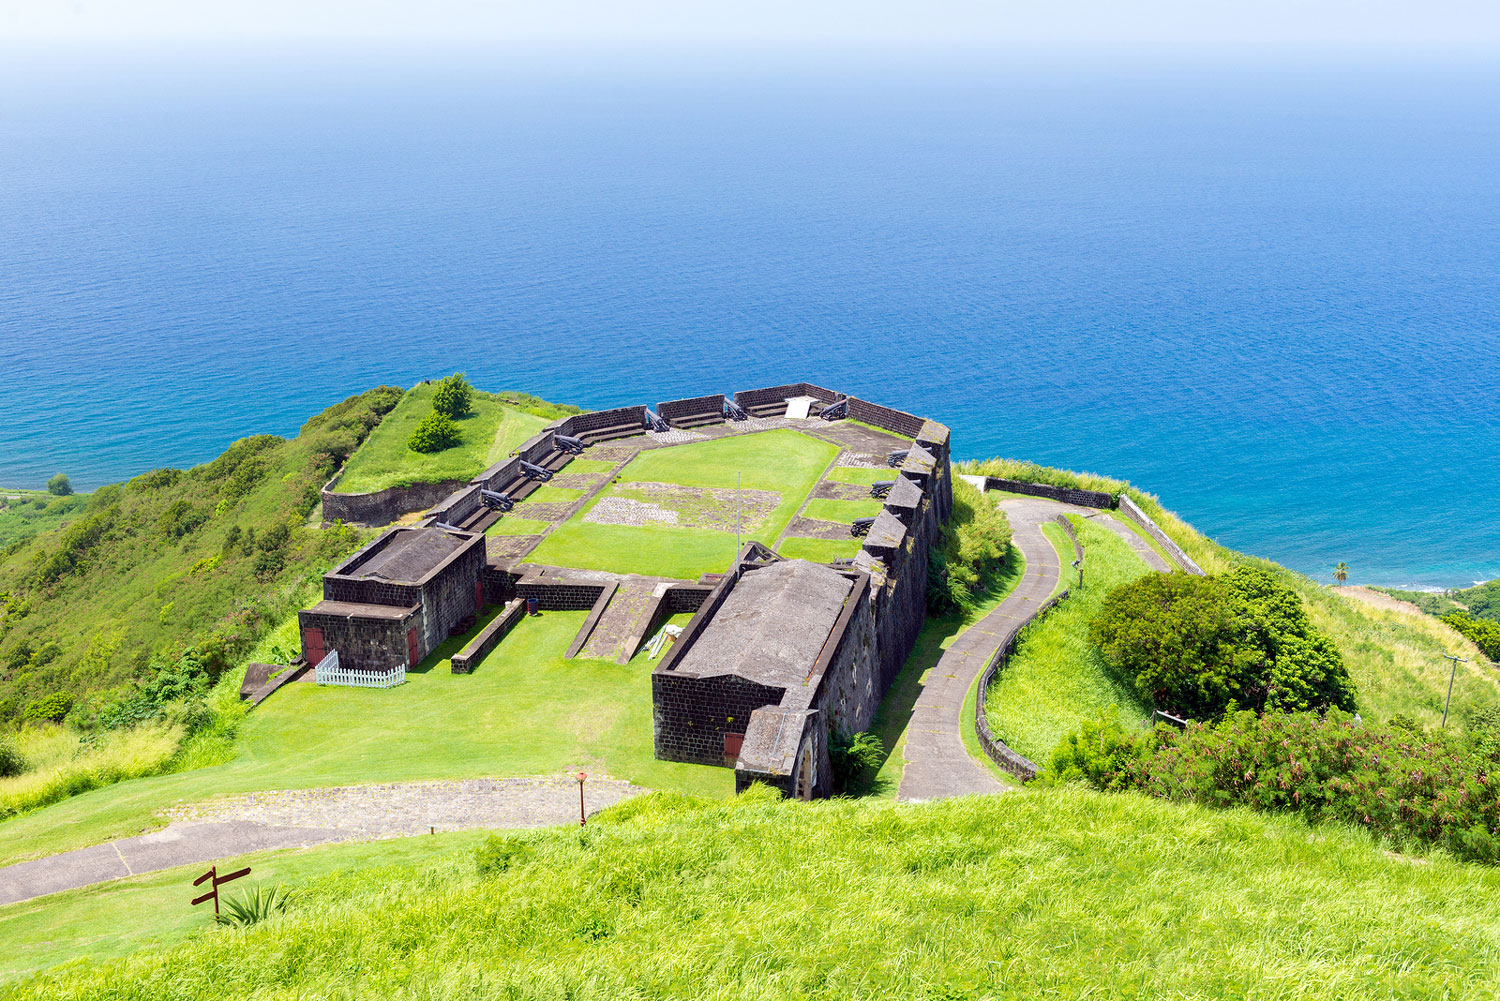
1378,599
646,503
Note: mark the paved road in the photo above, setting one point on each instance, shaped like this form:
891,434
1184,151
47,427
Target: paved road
937,763
299,818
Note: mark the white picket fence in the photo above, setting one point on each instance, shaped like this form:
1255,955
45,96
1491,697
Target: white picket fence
328,672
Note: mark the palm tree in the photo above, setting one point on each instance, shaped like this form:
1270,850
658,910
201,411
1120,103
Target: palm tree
1341,572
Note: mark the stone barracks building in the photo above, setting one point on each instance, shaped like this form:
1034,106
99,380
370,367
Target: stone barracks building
396,599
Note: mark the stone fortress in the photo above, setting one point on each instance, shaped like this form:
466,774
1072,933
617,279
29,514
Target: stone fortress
779,655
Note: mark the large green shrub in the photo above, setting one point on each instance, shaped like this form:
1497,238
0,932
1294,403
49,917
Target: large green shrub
12,763
1099,753
1394,780
1484,633
435,433
49,708
180,518
971,550
855,757
59,485
454,396
1200,646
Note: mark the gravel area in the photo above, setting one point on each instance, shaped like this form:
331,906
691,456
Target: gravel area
413,807
861,460
675,437
645,502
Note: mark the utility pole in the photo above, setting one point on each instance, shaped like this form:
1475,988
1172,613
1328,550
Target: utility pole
1457,660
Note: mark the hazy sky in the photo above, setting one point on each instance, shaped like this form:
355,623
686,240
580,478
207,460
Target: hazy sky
1399,24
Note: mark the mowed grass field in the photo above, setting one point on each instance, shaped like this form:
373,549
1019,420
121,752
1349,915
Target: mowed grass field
488,433
1053,893
524,711
785,462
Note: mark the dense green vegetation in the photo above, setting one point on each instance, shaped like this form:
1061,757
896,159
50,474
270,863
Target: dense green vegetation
1200,646
1399,781
784,462
172,566
1484,633
1482,601
1057,893
493,426
971,551
27,513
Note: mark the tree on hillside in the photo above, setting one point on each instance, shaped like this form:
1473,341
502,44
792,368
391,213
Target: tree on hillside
1341,572
435,433
1197,646
454,396
59,485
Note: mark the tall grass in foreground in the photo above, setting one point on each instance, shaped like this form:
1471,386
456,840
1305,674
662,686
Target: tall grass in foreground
59,763
1057,893
1056,677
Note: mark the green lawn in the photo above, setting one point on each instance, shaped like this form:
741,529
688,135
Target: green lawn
855,474
1053,893
513,525
115,919
843,511
820,550
548,494
489,433
786,462
1055,678
524,711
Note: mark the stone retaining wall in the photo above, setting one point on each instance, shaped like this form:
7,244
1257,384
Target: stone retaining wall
463,662
1133,511
1068,495
894,421
697,406
381,507
1016,764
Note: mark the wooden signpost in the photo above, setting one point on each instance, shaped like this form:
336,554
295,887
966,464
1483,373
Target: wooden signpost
216,881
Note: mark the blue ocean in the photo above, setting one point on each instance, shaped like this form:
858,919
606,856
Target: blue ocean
1264,290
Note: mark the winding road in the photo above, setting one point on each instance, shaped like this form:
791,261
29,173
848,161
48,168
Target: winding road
937,765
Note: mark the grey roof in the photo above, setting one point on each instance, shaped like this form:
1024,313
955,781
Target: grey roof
919,460
409,555
359,610
887,532
906,493
772,625
772,739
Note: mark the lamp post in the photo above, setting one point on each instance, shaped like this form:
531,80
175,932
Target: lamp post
1457,660
1079,564
582,817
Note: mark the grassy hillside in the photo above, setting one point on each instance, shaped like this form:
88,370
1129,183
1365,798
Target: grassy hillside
1055,893
497,423
1482,601
206,557
1395,660
28,513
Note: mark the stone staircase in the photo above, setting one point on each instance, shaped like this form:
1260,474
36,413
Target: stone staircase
618,632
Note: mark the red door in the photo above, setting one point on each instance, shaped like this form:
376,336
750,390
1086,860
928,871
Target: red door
412,656
732,744
312,646
478,596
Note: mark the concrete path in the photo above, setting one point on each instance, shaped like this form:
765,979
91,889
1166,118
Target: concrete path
253,822
937,763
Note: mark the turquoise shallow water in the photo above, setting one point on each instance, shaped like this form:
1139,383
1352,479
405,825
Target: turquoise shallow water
1267,293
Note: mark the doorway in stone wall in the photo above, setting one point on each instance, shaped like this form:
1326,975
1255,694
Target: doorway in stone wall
312,643
807,773
732,744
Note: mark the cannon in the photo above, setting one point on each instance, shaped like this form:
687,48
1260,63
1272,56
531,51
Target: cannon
734,411
535,472
837,410
446,527
881,488
655,423
861,526
896,458
496,501
568,443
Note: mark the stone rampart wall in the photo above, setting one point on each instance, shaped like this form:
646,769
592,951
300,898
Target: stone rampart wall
489,637
894,421
778,394
561,595
697,406
381,507
1068,495
598,419
449,597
